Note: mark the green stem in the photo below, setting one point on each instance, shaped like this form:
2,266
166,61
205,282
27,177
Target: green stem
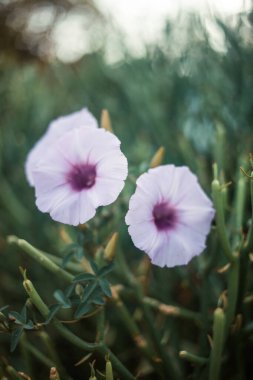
37,255
108,370
217,348
39,355
102,349
135,333
116,363
26,357
13,373
174,311
75,340
192,358
249,242
49,345
101,326
219,148
73,267
220,220
239,209
169,369
233,288
35,298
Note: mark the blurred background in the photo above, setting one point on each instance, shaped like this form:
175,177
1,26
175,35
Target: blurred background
170,73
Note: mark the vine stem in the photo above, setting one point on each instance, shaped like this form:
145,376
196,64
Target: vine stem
101,348
233,289
220,220
135,332
249,242
169,369
37,255
192,358
217,347
174,311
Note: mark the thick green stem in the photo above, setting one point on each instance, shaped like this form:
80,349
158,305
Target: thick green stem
169,369
37,255
166,361
135,333
220,220
49,345
101,326
174,311
233,288
35,298
249,242
75,340
117,365
219,147
13,373
239,208
73,267
26,357
217,347
192,358
108,370
39,355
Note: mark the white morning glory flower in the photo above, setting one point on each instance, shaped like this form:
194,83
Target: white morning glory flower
169,215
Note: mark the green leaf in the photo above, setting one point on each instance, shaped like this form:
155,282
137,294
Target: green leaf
62,299
69,290
84,277
105,286
4,308
88,290
15,336
98,300
79,253
105,270
18,317
24,313
29,325
94,266
70,248
67,259
80,239
53,309
83,308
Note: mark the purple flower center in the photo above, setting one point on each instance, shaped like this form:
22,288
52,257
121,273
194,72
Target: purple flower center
82,176
165,216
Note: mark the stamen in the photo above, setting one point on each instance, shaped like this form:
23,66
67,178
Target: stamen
82,176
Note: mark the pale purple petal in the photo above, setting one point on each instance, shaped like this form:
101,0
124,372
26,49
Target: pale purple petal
143,235
56,129
70,182
82,118
171,253
170,200
105,191
68,210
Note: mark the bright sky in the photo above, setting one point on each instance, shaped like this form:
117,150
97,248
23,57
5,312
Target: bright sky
140,20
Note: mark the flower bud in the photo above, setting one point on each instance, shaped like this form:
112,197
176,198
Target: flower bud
158,157
54,375
106,121
111,246
108,369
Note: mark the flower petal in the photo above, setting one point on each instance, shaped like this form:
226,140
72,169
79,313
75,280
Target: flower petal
66,161
56,129
169,238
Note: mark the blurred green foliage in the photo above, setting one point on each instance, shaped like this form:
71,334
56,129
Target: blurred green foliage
179,95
